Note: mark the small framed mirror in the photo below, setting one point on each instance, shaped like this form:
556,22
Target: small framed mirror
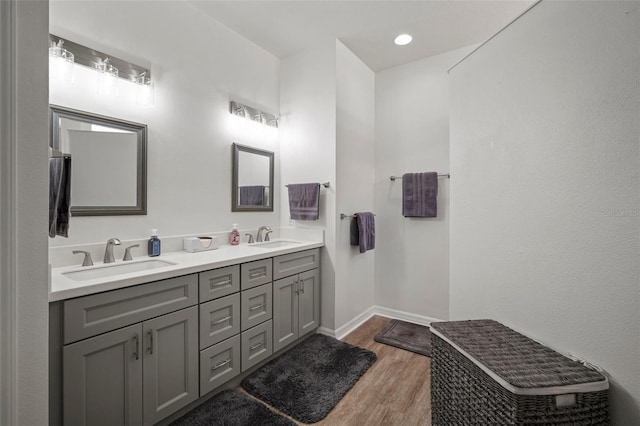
109,162
252,180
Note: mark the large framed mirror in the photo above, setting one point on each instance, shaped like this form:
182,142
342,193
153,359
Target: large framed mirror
109,162
252,180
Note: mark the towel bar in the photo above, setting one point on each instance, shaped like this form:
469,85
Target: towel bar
447,175
326,185
344,216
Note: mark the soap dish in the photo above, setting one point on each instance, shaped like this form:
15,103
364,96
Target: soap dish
196,244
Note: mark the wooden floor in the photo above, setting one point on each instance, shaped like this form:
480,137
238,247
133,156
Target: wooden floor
394,391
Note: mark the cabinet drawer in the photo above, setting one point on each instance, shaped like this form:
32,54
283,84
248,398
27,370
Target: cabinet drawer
219,282
255,306
294,263
219,364
256,273
219,320
92,315
257,344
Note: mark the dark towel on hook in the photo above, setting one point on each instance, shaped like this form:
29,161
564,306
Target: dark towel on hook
419,194
59,196
251,195
363,231
304,201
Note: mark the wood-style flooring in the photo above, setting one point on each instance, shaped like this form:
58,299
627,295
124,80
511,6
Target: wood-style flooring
394,391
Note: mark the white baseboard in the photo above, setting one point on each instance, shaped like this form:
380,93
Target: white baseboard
360,319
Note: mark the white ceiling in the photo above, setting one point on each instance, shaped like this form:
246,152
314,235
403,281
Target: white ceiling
366,27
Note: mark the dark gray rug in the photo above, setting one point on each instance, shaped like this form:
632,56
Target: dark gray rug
232,408
307,381
405,335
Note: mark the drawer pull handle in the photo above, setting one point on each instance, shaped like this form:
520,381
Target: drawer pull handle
257,274
253,308
221,283
297,288
136,352
222,364
150,333
221,320
301,285
257,346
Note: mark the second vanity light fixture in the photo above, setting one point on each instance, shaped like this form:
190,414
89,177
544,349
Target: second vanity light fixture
109,68
250,113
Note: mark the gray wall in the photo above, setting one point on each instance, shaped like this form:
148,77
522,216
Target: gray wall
545,199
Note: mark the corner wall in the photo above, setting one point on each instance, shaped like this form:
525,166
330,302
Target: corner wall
412,135
308,150
355,118
545,194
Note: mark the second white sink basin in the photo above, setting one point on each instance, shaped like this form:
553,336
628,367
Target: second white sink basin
274,244
111,269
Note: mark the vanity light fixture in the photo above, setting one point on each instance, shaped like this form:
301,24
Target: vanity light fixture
108,79
144,90
253,114
61,62
403,39
109,68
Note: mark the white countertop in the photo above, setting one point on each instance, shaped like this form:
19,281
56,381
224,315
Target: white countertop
62,287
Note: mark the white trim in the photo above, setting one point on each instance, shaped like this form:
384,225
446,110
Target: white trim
360,319
8,181
404,316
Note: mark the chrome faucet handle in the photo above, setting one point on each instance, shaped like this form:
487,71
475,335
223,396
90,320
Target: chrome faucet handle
250,240
259,233
266,235
127,252
87,257
108,252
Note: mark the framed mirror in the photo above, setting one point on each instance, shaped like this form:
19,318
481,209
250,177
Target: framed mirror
109,162
252,180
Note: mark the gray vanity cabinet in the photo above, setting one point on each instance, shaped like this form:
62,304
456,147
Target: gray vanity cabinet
296,298
144,367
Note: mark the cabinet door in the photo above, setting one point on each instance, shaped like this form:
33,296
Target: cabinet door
102,379
309,303
170,363
285,312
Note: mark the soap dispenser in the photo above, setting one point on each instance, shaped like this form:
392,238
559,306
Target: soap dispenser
234,238
154,244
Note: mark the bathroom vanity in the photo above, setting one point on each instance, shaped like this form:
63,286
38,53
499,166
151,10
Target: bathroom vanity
141,351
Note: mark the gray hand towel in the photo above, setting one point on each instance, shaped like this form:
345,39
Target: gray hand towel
59,196
363,231
251,195
419,194
304,201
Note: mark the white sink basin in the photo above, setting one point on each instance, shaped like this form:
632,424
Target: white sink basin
111,269
274,244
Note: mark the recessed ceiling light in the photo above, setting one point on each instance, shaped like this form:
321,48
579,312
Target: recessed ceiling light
403,39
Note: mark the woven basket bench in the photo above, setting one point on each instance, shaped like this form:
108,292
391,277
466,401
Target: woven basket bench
483,373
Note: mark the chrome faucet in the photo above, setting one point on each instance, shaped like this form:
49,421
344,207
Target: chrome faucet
259,234
108,253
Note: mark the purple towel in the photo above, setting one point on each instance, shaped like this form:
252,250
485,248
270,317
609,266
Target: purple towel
363,231
59,196
304,201
419,194
251,195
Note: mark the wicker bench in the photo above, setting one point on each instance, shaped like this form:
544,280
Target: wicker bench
483,373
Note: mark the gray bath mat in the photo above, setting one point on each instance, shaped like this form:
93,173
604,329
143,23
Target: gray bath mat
405,335
307,381
232,408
